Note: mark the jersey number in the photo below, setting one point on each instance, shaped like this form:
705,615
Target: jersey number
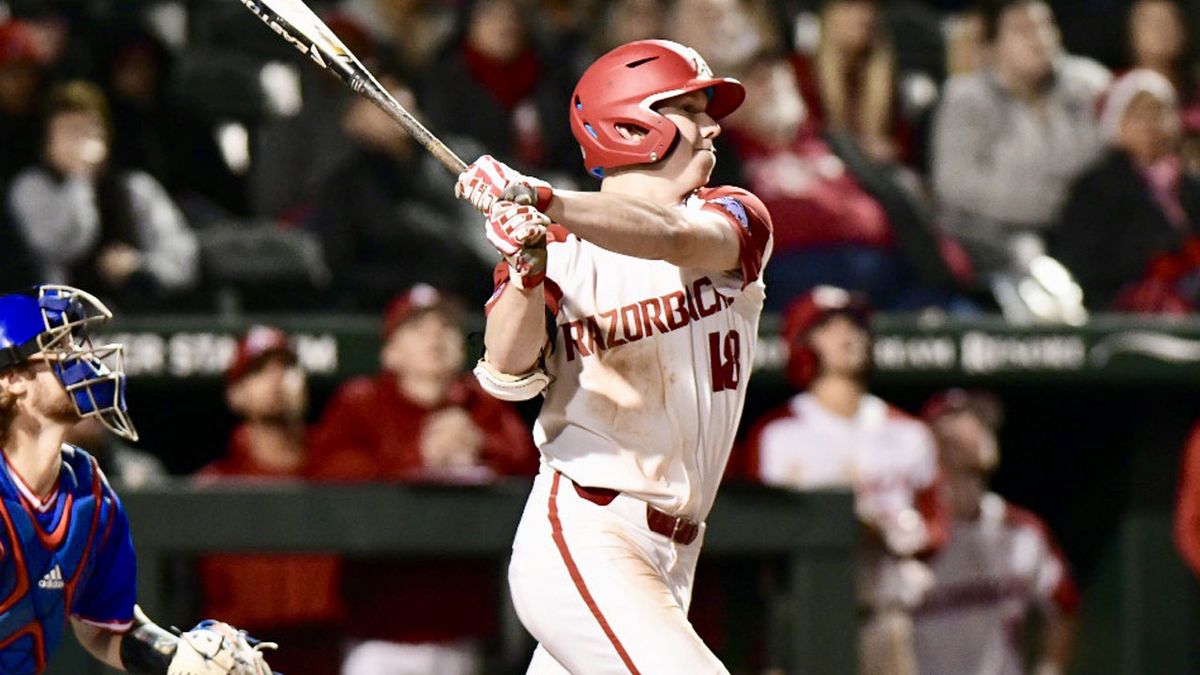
726,360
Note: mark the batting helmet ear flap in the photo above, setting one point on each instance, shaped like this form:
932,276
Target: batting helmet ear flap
803,365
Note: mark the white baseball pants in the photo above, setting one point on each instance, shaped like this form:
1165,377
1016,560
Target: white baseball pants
600,591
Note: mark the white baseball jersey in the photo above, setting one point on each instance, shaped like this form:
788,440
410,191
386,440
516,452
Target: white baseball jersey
886,456
650,362
987,577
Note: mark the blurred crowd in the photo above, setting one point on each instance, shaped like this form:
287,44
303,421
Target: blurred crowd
948,155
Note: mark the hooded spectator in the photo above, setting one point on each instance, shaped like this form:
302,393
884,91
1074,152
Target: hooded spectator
1128,220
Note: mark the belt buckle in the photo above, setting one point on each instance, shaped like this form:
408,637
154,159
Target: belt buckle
675,529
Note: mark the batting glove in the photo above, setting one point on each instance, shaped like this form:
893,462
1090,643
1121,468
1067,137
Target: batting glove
484,182
518,232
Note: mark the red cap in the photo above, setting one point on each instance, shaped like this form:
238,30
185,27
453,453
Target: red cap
16,45
416,300
622,86
255,347
820,303
982,404
808,312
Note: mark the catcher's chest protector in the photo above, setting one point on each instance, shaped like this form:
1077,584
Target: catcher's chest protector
69,554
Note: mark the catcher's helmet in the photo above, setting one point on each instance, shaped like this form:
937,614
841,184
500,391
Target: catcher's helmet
54,322
622,86
807,313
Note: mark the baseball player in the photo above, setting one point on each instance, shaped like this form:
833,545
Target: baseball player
66,556
636,316
998,564
834,433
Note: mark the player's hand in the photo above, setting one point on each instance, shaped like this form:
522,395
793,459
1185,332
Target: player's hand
483,183
906,534
450,440
216,648
519,234
117,262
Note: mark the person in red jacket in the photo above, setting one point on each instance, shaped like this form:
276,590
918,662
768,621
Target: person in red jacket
290,598
1187,510
420,419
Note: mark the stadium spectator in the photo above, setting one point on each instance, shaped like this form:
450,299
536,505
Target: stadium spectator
416,30
92,224
1187,508
727,33
1009,139
151,133
1125,229
293,598
849,84
828,228
388,219
493,87
1158,41
420,419
834,433
21,74
624,21
286,176
999,562
965,45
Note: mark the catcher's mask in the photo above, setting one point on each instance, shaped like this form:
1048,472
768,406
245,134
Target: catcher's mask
55,323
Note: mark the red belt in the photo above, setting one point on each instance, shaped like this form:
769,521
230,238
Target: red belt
676,528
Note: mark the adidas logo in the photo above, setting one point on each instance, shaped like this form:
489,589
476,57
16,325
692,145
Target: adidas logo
53,579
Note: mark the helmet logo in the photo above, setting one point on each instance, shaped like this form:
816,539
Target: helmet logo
698,62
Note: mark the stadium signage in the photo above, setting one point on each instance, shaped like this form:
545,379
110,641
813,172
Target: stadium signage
199,354
977,352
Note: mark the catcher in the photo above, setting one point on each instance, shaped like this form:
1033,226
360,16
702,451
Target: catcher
66,555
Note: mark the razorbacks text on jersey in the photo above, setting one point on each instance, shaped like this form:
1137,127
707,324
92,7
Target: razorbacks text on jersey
682,339
68,554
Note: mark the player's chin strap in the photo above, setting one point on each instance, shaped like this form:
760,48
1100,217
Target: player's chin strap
510,387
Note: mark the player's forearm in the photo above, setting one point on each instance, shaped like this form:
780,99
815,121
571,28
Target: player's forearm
516,330
145,649
640,228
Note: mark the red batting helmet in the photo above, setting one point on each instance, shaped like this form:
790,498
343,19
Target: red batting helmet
807,313
622,86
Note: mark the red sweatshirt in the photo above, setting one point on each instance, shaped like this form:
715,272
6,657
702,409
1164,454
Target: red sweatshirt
266,591
371,432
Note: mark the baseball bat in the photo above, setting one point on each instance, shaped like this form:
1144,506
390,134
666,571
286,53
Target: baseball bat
300,27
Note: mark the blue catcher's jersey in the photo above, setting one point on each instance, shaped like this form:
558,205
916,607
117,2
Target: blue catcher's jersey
67,555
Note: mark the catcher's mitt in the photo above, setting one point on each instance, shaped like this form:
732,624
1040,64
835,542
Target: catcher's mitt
215,648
